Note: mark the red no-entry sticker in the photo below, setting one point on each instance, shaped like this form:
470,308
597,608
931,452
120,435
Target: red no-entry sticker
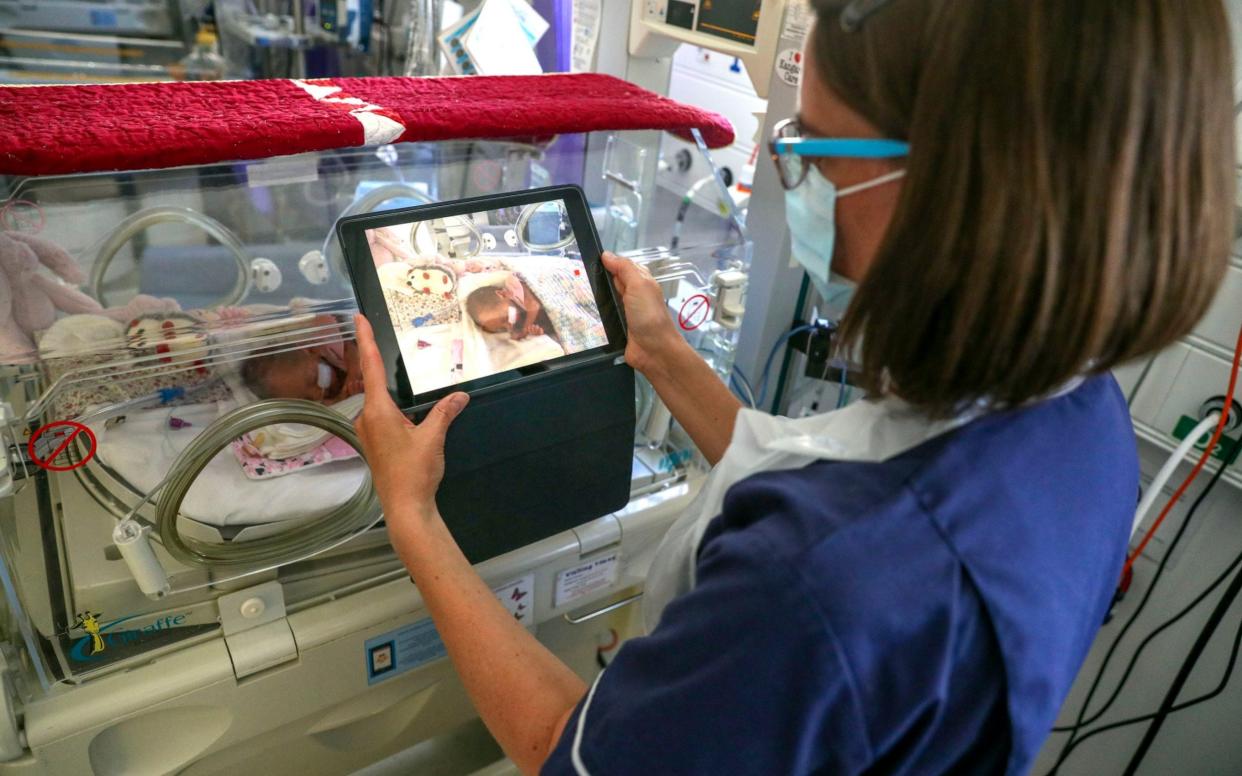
694,312
53,439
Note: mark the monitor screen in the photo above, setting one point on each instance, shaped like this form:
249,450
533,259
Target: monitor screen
735,20
478,294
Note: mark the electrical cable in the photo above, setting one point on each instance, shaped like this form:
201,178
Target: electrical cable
1203,459
1183,675
1082,720
1220,687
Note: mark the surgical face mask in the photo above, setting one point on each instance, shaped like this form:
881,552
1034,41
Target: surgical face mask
811,212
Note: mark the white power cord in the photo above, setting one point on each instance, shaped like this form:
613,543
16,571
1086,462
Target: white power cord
1162,477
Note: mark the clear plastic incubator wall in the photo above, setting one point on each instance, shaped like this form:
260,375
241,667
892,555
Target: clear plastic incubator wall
160,322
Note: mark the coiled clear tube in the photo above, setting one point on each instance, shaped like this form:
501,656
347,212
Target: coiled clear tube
312,535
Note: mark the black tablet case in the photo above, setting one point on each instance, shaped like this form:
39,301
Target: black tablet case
526,463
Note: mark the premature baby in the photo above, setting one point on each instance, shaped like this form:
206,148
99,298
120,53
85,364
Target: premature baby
327,373
511,308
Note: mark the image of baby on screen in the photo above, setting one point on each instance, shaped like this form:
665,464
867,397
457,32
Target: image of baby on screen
546,295
474,295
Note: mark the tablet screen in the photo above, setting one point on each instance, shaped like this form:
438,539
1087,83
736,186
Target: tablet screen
477,294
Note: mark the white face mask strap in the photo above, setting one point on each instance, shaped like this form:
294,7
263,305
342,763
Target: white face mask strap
871,184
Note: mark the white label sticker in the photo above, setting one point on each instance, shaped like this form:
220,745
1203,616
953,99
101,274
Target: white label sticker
302,168
789,66
582,580
518,597
798,19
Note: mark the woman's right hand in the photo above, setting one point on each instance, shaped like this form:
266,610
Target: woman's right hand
653,337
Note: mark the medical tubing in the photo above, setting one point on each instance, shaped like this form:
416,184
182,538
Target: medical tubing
1166,472
683,208
285,561
356,514
145,219
767,365
367,203
1183,674
1203,459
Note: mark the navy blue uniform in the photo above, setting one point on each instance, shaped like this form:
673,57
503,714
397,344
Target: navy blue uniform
922,615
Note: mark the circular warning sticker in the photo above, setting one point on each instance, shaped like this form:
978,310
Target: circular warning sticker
789,66
694,312
50,442
22,216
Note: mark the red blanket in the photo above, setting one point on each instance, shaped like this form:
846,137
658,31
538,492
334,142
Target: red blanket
48,130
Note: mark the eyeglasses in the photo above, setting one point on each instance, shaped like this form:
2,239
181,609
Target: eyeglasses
791,151
859,11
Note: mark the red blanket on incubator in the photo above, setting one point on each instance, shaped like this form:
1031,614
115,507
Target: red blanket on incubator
51,130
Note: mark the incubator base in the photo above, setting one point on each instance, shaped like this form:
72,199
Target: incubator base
332,707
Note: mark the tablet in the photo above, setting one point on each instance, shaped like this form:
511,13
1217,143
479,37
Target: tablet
479,293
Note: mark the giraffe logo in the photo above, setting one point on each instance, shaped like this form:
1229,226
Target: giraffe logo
89,622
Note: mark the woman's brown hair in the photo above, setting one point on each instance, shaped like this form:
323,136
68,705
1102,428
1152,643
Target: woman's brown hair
1070,190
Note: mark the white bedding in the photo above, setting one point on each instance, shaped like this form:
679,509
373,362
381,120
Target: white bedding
143,448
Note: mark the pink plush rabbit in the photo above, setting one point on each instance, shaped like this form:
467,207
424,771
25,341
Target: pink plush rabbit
31,300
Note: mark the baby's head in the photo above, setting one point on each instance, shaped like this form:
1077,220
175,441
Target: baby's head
296,374
491,309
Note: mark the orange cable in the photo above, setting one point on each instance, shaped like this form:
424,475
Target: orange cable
1203,459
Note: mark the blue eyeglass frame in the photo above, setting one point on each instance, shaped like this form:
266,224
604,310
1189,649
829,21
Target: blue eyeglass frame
826,147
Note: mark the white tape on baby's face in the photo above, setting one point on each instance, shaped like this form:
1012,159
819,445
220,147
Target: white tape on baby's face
325,376
513,315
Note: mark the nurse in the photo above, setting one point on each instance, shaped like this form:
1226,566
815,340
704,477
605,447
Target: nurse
1019,196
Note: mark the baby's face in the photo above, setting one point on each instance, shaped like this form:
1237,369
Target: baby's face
304,374
498,316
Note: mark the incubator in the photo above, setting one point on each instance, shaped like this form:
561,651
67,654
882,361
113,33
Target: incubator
181,486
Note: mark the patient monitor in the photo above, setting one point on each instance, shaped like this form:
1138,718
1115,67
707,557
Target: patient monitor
747,29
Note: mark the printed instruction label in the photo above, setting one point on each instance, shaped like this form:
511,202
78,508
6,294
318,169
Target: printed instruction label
400,650
518,597
300,168
798,20
583,580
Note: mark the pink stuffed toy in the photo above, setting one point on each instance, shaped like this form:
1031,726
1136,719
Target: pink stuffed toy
30,300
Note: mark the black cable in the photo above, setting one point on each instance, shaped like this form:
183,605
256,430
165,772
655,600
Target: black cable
1183,675
1082,720
1220,687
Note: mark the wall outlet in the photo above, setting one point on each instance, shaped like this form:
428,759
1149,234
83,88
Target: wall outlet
1224,448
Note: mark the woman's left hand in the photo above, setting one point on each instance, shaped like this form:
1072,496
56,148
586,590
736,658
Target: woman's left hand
406,460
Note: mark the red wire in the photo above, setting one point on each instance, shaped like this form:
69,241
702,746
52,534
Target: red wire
1203,459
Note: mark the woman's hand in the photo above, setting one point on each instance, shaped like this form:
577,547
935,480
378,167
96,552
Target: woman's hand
406,460
653,336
